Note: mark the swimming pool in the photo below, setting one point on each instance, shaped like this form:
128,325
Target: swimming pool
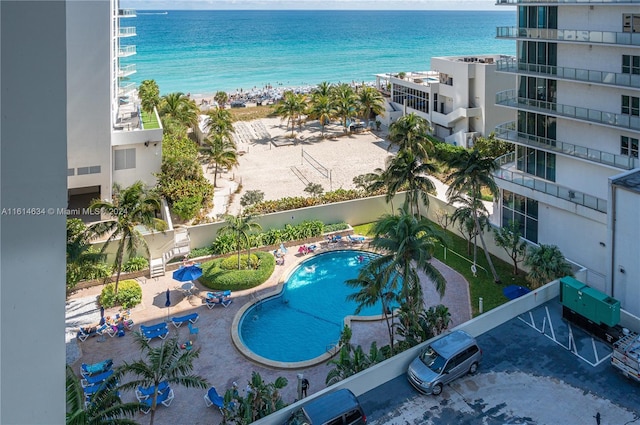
306,318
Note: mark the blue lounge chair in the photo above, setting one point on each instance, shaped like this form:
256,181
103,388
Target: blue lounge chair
161,325
213,398
155,333
96,379
165,398
95,368
356,238
178,321
222,298
143,393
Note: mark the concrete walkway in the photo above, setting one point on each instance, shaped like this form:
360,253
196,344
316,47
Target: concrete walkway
220,362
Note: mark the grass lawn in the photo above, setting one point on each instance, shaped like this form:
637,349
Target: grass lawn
149,120
482,285
252,113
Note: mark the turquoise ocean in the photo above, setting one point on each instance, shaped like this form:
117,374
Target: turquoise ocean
201,52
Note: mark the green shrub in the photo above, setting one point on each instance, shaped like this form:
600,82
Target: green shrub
201,252
335,227
214,277
231,263
98,271
224,244
135,264
187,208
129,294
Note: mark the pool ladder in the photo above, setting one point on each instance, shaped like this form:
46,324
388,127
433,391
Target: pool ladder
333,348
257,301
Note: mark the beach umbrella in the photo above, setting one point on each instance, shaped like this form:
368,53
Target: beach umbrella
167,303
187,273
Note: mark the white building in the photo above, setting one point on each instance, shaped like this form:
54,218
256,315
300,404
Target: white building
457,96
107,140
577,98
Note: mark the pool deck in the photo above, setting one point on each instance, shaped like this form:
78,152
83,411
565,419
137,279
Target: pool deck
220,362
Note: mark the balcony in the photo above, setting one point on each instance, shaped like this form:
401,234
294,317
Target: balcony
508,132
509,98
508,172
125,71
126,90
126,13
565,2
126,51
126,32
572,74
572,36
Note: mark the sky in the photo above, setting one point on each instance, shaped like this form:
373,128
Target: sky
311,4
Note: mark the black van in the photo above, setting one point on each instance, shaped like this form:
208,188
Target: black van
337,408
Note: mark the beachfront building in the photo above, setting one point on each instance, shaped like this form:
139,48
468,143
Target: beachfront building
573,179
457,96
108,138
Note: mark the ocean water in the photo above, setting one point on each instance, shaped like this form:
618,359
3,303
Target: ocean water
201,52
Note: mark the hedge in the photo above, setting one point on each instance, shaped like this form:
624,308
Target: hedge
214,277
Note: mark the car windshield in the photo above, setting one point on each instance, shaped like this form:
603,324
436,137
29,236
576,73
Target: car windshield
433,360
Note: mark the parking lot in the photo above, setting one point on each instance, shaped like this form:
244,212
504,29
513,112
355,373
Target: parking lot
536,369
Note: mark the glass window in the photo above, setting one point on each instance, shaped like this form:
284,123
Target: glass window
353,417
527,222
629,146
124,159
71,171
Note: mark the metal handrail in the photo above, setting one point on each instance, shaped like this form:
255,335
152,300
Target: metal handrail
571,35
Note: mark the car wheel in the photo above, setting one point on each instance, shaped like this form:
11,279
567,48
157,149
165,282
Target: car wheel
473,369
437,389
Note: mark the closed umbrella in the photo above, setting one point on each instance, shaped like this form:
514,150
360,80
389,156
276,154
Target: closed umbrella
167,303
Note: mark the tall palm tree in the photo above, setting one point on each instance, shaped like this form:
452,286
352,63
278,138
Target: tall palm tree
149,94
291,108
465,215
471,173
131,207
406,170
371,103
374,288
407,243
322,109
181,108
240,227
166,362
345,102
105,407
219,145
410,133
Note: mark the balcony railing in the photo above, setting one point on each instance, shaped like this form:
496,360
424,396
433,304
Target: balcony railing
509,98
125,71
573,74
125,51
507,172
126,13
567,2
126,90
507,131
126,31
580,36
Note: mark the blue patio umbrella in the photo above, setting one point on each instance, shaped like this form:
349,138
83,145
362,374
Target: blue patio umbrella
187,273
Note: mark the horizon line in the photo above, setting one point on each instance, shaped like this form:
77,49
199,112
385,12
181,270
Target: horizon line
324,10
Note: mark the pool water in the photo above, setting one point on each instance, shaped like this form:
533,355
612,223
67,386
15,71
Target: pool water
307,317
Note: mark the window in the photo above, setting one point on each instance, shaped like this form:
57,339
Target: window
416,99
631,105
536,162
353,417
523,211
631,64
538,127
629,146
71,171
538,17
94,169
542,89
630,22
124,159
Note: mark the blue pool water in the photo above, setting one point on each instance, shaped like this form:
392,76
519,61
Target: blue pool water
301,322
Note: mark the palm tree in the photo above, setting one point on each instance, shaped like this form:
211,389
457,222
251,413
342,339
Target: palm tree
131,207
291,108
410,133
105,407
149,94
322,109
221,98
323,89
240,227
345,102
406,170
546,263
374,288
82,259
473,172
407,243
179,107
166,362
465,215
219,144
351,361
371,102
